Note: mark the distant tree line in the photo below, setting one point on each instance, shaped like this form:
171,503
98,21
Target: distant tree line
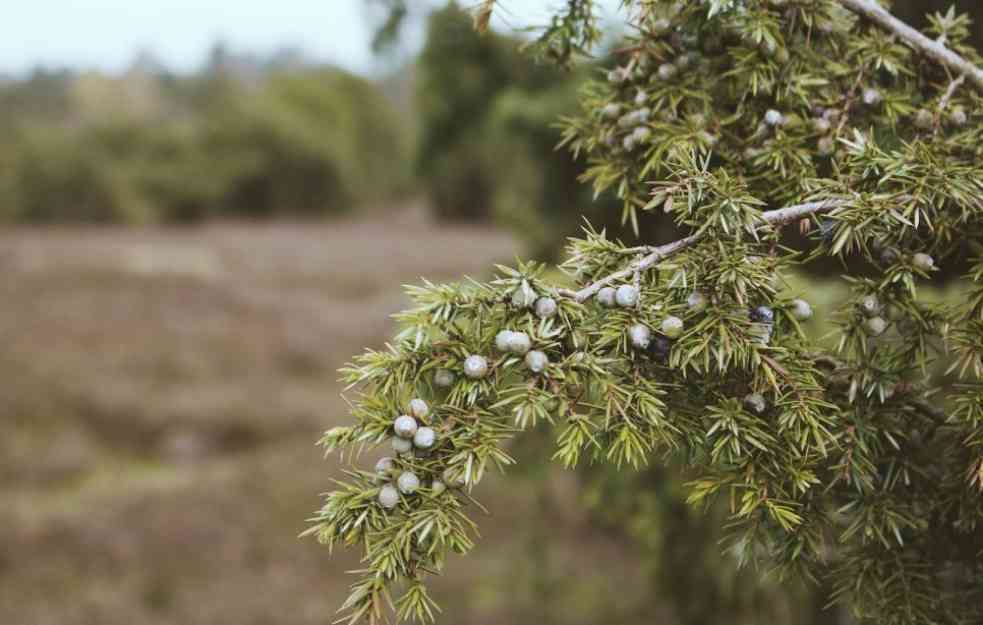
242,138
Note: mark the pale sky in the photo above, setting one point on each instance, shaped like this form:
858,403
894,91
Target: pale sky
106,34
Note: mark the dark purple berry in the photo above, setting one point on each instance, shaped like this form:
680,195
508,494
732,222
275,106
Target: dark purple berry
763,314
660,347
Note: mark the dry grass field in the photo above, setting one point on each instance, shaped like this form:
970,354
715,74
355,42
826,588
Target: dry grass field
162,393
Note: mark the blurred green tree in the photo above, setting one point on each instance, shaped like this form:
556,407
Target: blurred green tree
258,143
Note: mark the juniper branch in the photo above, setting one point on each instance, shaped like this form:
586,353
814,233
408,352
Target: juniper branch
934,49
778,217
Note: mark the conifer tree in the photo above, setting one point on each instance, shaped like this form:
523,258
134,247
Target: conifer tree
856,461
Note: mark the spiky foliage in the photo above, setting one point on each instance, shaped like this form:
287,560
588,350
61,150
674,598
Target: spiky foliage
859,468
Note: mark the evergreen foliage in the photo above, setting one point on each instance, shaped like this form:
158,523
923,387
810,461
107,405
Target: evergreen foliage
843,461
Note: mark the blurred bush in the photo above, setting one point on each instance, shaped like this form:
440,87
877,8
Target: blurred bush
487,135
305,142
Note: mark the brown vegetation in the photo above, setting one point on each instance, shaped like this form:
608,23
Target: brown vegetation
161,391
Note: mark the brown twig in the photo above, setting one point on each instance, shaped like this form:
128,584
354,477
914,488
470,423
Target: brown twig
950,91
934,49
778,217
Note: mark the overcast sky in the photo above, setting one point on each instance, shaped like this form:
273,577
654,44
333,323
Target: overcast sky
105,34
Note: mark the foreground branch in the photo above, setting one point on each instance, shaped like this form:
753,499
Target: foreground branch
777,217
935,50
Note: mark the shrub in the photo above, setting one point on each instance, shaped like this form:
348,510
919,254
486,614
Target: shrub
846,462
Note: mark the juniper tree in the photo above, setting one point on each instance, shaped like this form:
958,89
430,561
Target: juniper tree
851,460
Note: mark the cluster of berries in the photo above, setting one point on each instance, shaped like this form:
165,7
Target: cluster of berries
633,115
823,125
925,119
874,325
508,341
408,435
763,319
518,343
671,327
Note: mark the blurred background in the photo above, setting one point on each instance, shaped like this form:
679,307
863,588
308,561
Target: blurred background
206,209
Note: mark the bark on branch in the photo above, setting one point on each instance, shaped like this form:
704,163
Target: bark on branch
935,50
778,217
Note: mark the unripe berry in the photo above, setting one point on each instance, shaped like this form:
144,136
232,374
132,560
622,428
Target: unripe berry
519,343
870,306
605,297
628,143
475,367
889,256
626,296
384,465
801,309
924,119
611,110
640,336
764,314
822,126
958,117
684,61
419,408
672,327
443,378
388,497
424,438
922,261
408,482
755,402
401,445
545,307
875,326
404,426
782,56
641,98
502,340
537,361
774,118
667,71
697,302
872,97
437,488
826,146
